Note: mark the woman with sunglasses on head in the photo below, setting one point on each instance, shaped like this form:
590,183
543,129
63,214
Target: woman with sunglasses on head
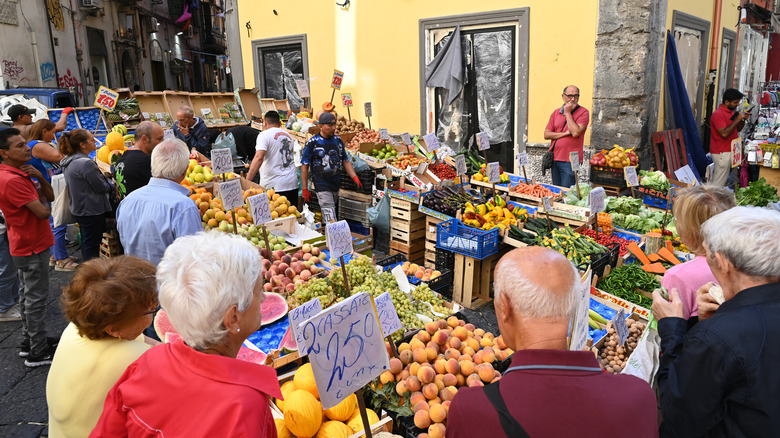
109,302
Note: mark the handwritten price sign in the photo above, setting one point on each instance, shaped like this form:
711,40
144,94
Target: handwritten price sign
406,138
494,172
106,98
431,142
338,76
631,177
368,109
231,194
301,314
547,203
522,159
574,159
339,239
460,164
383,134
483,141
261,209
596,200
388,317
346,99
221,161
621,328
303,87
345,347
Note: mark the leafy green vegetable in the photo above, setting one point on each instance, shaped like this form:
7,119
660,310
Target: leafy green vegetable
624,205
571,196
757,193
654,180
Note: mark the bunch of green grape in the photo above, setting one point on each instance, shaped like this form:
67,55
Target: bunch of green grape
316,287
423,292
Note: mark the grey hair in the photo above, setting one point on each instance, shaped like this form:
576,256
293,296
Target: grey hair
747,238
170,159
197,285
187,110
535,300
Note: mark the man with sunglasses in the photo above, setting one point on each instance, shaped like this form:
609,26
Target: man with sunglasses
566,128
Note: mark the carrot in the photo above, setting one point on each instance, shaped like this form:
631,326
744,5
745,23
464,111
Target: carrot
654,268
668,256
637,252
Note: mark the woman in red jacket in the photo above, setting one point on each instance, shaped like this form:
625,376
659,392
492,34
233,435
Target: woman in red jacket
196,386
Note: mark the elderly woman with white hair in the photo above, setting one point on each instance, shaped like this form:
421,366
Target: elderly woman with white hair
720,377
196,386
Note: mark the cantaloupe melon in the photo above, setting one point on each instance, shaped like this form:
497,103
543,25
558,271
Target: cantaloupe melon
302,413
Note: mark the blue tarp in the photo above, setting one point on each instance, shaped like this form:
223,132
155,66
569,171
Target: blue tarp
681,106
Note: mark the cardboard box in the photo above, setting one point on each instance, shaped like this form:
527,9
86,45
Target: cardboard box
618,303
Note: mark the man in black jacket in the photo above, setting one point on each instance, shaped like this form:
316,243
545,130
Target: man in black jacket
720,379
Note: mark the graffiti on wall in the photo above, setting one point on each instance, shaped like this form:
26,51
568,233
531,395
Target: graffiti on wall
12,69
47,72
69,80
55,14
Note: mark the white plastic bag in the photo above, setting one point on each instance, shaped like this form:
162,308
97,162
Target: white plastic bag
645,359
60,208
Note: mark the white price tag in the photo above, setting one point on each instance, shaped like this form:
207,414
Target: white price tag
522,159
574,159
422,168
483,141
547,203
596,200
231,194
221,161
388,317
383,134
431,142
303,87
620,326
460,164
406,138
339,239
494,172
261,209
685,174
345,347
368,109
300,314
631,177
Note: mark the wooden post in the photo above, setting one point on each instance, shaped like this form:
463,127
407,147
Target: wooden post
393,348
363,414
267,245
577,184
235,222
524,175
369,122
344,272
332,95
349,115
100,117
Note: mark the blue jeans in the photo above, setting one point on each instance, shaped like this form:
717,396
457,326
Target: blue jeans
562,175
35,275
59,250
9,276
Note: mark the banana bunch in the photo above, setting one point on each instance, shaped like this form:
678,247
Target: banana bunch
120,128
495,213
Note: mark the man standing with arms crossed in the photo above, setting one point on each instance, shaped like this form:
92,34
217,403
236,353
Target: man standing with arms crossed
725,126
566,129
275,160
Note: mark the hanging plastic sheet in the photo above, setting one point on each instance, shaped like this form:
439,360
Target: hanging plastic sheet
452,126
493,65
274,86
293,62
446,70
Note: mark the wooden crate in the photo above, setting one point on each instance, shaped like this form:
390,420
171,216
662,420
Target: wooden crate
473,280
109,246
430,241
400,209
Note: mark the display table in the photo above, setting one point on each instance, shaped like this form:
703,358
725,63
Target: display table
772,176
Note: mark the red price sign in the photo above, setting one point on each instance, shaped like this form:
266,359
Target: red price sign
106,98
346,99
338,76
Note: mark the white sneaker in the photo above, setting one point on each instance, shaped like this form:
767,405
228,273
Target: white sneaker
12,314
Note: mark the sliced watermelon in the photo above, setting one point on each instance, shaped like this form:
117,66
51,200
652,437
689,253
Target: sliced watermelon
171,337
251,355
288,343
162,325
273,308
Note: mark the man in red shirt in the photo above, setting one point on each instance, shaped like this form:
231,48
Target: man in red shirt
548,391
27,211
566,129
725,126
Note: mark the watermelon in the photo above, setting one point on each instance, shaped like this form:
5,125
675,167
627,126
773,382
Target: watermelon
273,308
162,325
251,355
288,342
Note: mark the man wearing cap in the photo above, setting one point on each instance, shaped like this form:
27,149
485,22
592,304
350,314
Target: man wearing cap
22,118
326,155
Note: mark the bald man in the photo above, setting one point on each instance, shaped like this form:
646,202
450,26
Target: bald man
134,168
548,391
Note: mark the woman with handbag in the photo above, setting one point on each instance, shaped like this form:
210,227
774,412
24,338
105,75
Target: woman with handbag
46,158
88,189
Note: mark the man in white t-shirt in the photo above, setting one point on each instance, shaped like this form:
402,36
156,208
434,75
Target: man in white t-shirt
275,159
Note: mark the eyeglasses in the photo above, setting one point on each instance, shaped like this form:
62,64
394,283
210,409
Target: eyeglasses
154,312
572,96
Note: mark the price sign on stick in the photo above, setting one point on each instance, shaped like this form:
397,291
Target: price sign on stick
339,239
596,200
231,194
547,203
346,99
620,326
431,142
460,164
300,314
483,141
345,347
338,76
574,159
685,174
261,209
221,161
106,98
736,152
369,110
494,172
406,138
383,134
522,159
303,87
631,178
388,317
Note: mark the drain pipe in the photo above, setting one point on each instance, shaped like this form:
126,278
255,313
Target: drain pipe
36,57
715,35
74,5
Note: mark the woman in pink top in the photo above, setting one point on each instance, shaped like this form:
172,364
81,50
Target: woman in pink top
693,206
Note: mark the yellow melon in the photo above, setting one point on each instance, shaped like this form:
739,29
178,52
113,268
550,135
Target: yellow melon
281,429
304,379
343,410
355,422
334,429
115,141
104,154
302,413
287,387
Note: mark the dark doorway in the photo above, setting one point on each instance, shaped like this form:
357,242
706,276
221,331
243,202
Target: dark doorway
282,65
158,76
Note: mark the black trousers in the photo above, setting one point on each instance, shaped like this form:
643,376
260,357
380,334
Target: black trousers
92,229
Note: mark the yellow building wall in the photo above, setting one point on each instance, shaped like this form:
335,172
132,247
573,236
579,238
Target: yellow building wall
376,45
704,9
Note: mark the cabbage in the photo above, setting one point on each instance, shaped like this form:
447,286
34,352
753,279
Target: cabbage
297,126
654,180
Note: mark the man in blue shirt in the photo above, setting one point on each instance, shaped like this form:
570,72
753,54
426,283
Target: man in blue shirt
192,131
152,217
326,156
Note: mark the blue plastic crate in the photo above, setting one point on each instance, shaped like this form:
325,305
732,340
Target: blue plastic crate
455,236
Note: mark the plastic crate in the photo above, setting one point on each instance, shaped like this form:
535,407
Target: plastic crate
455,236
609,258
354,211
366,178
654,201
390,262
444,259
313,204
443,283
357,227
611,176
381,240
